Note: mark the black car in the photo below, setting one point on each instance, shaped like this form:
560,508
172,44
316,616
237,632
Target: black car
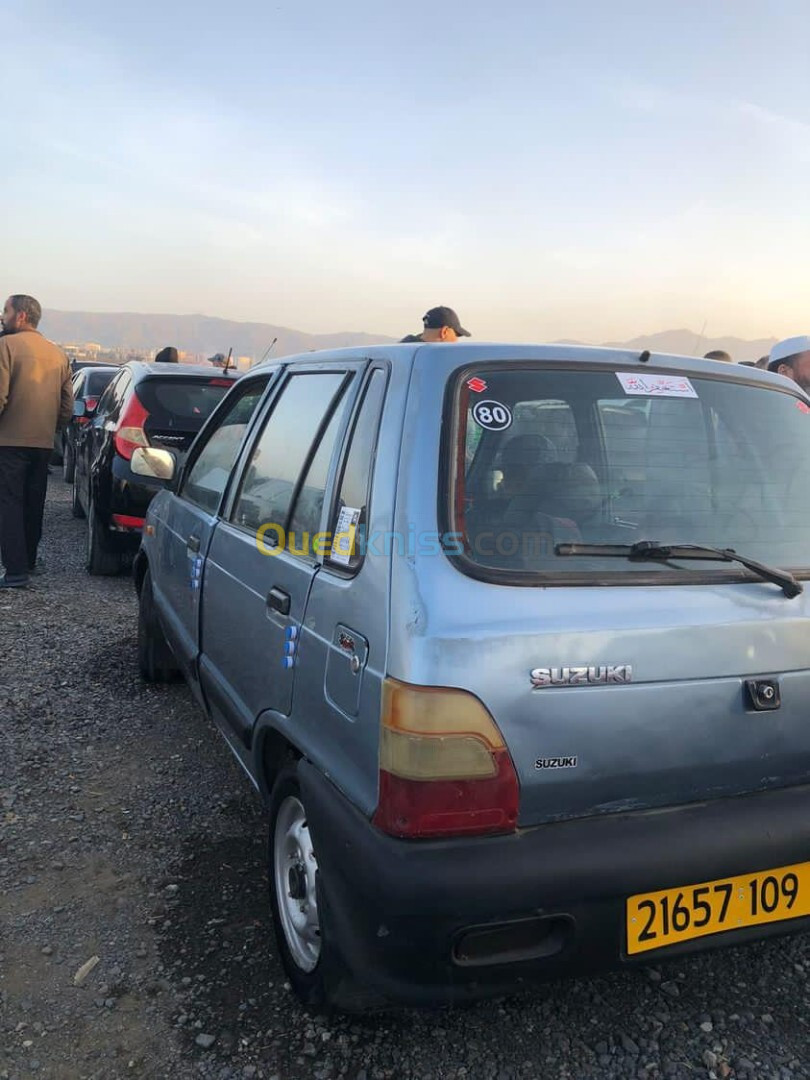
146,404
89,383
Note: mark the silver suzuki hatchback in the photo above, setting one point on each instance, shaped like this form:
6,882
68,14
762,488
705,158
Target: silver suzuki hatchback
514,642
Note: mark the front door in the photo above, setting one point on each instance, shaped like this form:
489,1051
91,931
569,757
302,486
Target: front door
187,519
264,554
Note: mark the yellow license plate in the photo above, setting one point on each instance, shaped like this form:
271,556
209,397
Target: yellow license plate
655,920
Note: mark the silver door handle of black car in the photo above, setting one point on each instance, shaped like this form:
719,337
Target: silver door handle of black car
193,544
279,601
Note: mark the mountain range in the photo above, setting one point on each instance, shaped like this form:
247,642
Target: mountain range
190,333
207,334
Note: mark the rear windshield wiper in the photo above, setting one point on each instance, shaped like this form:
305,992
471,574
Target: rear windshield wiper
651,550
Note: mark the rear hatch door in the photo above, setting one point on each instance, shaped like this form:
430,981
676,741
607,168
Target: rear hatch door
178,406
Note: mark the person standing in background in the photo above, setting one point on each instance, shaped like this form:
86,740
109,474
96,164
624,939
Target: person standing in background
791,358
440,324
36,398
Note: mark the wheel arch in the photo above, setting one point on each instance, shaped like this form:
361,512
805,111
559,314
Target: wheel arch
139,567
272,752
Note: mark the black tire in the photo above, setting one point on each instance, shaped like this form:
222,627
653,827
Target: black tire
68,464
155,657
101,560
328,984
75,504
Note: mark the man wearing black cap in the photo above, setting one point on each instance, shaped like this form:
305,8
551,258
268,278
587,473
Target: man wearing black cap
440,324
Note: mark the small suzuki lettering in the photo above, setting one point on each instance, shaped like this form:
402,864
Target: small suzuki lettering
556,762
581,676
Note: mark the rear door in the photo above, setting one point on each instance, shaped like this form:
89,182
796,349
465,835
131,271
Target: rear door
264,555
187,519
94,439
342,652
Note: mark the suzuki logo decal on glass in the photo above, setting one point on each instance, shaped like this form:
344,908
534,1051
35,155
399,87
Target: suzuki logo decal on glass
581,676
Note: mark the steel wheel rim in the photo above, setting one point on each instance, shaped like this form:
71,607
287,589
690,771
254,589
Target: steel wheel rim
295,870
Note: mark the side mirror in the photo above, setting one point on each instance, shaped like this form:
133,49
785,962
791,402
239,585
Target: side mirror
159,464
79,408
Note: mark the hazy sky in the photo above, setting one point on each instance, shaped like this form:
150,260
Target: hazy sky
581,169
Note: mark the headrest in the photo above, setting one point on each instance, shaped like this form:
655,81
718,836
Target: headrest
570,490
523,451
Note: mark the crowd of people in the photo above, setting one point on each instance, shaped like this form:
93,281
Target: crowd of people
36,400
789,357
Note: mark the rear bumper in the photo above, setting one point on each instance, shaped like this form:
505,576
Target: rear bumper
129,499
398,909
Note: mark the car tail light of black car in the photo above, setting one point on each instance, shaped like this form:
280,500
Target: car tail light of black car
130,434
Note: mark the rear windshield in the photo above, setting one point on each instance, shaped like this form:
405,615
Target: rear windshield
96,382
182,403
546,457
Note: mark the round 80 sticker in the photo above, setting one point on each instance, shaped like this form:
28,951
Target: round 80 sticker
492,415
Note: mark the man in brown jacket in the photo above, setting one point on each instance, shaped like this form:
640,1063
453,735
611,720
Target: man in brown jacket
36,398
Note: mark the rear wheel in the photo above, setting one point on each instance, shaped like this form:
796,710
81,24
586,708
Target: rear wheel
300,914
101,560
155,657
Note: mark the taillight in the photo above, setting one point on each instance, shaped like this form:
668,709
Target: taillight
130,434
90,404
221,382
127,521
444,767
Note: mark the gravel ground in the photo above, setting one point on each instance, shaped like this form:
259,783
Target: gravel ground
128,835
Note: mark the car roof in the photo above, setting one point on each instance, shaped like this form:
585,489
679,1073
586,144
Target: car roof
142,369
446,357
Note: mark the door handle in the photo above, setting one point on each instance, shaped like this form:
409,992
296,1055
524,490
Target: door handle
279,601
193,544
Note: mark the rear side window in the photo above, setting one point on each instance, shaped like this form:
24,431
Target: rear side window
208,475
283,450
181,403
113,397
306,517
95,382
350,520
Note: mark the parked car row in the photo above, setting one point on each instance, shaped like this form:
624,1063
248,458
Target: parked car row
89,383
511,639
141,405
